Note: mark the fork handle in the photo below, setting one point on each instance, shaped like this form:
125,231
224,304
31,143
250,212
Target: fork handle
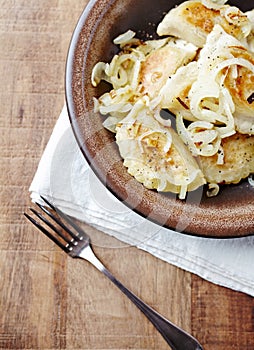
174,336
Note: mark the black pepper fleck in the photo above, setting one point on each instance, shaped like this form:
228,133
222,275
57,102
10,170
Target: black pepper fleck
250,99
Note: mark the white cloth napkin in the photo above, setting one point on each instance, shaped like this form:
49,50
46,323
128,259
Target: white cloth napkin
64,175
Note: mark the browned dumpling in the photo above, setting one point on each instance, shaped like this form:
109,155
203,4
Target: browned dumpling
238,161
156,156
241,89
193,21
162,63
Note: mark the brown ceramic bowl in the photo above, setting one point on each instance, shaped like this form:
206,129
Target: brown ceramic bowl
230,214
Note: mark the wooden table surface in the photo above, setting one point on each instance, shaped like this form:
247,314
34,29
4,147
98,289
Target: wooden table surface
50,301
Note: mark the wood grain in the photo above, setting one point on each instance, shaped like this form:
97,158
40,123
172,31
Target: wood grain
47,300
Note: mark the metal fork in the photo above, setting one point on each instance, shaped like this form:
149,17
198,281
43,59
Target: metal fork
76,243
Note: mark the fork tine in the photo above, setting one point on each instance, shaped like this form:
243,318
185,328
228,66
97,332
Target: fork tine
46,232
59,222
66,218
53,227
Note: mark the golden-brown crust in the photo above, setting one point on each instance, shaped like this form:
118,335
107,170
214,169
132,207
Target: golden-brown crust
200,16
242,87
193,21
158,66
238,160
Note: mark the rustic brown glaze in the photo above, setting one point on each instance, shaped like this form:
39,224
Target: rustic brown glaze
230,214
